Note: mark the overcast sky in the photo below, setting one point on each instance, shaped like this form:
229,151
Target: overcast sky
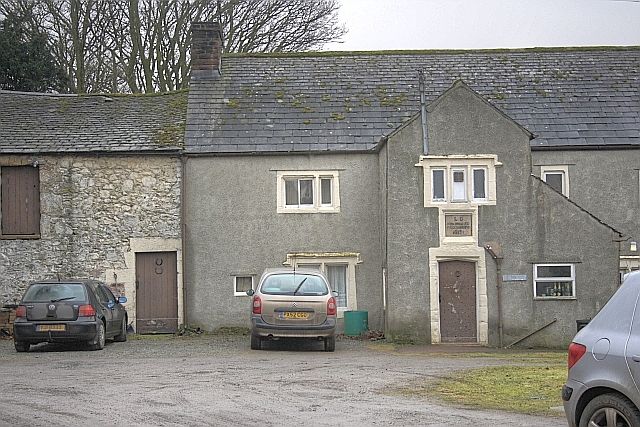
477,24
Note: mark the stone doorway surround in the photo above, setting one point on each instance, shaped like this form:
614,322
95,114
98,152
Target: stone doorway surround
457,252
127,276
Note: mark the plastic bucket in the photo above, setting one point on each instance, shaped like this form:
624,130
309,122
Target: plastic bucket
355,323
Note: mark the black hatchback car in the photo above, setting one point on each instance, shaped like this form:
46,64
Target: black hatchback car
70,311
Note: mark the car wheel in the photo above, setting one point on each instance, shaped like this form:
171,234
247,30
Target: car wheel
122,336
610,410
330,343
98,342
21,347
256,342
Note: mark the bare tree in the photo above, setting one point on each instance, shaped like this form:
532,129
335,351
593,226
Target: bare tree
143,45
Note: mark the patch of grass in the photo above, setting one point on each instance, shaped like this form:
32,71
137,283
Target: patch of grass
522,389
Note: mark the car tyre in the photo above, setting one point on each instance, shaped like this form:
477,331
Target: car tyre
610,408
98,342
21,346
256,342
330,343
122,336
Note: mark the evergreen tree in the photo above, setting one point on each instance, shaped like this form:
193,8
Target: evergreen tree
26,64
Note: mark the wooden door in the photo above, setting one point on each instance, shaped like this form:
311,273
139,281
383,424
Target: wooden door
156,292
457,284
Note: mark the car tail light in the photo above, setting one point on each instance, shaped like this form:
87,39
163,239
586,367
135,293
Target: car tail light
332,309
21,312
576,351
257,305
86,310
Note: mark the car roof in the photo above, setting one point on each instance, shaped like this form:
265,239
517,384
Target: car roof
284,270
65,282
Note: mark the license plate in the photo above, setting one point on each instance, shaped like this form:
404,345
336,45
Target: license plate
51,328
294,315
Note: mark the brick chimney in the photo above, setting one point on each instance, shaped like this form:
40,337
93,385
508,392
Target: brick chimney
206,50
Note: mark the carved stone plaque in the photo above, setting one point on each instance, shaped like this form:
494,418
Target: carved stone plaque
458,225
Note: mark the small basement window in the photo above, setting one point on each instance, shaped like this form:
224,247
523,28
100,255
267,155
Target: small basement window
552,281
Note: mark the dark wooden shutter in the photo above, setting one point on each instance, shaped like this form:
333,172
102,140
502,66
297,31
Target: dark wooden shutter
20,202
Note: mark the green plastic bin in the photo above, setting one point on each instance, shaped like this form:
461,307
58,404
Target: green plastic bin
356,323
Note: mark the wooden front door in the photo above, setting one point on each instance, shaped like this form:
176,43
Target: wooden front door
457,284
156,292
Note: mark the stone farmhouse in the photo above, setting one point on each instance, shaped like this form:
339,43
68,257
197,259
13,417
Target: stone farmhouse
492,200
486,197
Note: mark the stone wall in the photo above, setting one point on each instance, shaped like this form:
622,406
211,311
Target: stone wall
91,206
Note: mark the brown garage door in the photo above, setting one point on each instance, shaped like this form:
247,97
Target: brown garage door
156,292
457,301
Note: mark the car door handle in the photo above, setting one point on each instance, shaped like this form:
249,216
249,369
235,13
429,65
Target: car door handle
635,358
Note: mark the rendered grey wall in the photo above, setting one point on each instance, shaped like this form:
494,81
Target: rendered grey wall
605,182
233,228
530,224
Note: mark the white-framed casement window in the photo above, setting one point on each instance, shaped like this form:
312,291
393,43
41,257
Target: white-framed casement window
339,268
308,191
554,281
557,177
241,284
458,179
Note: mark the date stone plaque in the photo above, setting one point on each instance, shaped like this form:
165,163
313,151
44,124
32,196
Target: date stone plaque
457,225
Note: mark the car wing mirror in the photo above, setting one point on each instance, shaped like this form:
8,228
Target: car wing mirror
122,300
250,292
335,293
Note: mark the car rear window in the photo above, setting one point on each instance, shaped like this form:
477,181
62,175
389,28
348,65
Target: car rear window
301,284
51,292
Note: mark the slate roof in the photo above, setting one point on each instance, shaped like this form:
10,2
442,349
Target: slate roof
49,123
567,97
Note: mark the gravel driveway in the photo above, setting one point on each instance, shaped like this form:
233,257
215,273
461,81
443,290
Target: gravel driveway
218,380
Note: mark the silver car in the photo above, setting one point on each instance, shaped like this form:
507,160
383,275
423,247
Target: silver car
602,387
291,303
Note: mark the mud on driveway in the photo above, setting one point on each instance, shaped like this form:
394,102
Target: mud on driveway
218,380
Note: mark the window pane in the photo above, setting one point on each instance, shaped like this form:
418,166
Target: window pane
554,180
438,184
459,186
325,190
337,275
554,289
479,184
306,191
243,284
291,192
554,271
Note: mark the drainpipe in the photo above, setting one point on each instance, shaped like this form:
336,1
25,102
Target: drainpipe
498,260
423,113
183,236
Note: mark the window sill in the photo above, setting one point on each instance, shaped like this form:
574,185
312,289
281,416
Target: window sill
19,236
324,210
555,298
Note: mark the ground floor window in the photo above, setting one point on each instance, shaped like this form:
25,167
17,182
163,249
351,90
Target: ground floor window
339,269
554,281
241,284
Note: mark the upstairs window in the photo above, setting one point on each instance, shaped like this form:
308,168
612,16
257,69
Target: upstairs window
557,177
308,192
554,281
461,184
20,201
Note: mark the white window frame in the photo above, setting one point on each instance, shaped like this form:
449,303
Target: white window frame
571,279
557,169
467,163
444,185
316,177
235,284
473,183
350,260
465,184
